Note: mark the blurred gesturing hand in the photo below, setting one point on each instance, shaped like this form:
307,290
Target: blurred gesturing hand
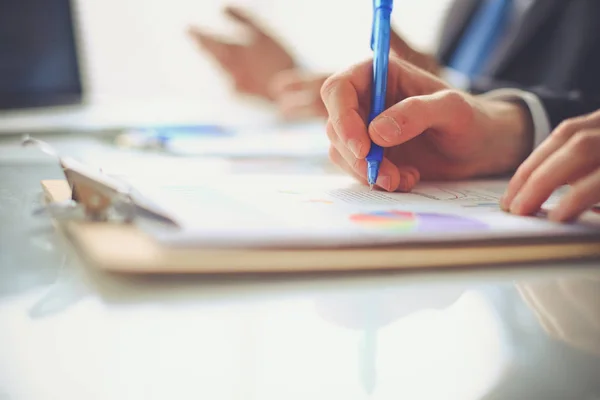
571,155
253,64
263,67
429,131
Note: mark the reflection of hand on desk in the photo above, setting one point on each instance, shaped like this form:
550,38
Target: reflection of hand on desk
371,311
568,309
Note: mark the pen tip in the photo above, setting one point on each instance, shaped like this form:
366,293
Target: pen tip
371,186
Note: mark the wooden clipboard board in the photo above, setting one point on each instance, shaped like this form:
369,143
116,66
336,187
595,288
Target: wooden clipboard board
124,248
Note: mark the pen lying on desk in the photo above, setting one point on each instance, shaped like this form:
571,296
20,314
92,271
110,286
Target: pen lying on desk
380,44
159,137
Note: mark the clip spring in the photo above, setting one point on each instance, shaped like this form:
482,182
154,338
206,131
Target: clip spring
94,196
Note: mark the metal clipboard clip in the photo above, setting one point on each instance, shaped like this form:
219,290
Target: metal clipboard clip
94,195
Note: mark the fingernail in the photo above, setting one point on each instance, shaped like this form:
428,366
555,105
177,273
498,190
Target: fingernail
515,205
387,128
504,203
355,146
384,182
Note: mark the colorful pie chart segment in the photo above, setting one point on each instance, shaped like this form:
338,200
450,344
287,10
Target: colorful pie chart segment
406,221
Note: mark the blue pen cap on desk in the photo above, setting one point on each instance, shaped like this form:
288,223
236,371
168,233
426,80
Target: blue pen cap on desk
158,136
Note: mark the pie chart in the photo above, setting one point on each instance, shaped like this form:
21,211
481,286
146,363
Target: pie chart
406,221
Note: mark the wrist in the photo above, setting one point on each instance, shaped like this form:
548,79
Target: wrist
511,135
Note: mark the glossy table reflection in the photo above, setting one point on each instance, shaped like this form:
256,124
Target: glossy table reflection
69,332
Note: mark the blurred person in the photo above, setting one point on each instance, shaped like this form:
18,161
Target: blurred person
539,45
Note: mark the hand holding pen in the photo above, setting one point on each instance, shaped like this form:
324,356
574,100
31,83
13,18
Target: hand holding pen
429,129
380,44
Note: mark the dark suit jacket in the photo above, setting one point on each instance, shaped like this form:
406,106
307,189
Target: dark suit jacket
555,54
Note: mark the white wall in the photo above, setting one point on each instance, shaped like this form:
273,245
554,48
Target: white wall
137,48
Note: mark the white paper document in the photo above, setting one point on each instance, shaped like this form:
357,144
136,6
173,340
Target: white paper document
308,211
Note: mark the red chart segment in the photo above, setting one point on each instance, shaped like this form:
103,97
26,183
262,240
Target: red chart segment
417,222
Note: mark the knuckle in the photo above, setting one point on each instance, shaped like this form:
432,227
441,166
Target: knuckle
577,197
413,106
464,110
594,117
536,178
522,173
585,142
335,121
331,135
328,87
453,96
338,119
566,129
413,102
333,154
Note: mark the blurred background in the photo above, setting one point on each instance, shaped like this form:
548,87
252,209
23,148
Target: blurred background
138,48
138,63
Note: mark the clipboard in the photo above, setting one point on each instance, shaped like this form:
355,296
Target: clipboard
119,245
122,247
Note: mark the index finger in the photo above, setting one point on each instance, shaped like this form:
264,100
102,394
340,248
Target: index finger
212,44
344,97
242,16
561,135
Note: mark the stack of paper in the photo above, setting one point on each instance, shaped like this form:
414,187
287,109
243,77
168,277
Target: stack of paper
308,211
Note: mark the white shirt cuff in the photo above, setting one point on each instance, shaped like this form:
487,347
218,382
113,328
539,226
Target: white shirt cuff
457,79
541,122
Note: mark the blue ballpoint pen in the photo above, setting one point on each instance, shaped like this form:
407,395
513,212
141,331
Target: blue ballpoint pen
380,44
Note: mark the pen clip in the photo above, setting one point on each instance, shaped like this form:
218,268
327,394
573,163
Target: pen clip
373,27
377,6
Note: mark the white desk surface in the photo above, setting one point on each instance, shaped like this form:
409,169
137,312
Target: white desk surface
69,332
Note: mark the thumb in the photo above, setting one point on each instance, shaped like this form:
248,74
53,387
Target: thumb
243,18
448,112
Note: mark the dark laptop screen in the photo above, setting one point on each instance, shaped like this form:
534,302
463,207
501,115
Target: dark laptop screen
38,58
